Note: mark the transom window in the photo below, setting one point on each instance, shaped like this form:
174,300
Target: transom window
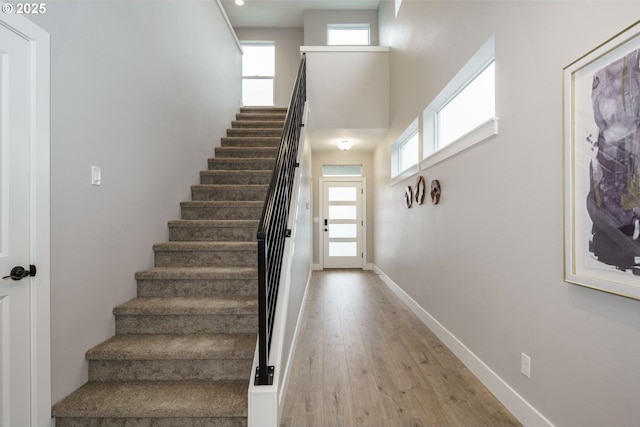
464,112
405,153
471,107
348,35
341,170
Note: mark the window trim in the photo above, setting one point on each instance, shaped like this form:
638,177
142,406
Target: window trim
431,152
359,26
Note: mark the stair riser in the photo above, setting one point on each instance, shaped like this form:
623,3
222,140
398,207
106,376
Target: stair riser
188,324
256,122
239,153
197,288
272,142
170,370
151,422
210,234
238,164
264,110
206,258
254,132
235,178
261,116
230,195
221,212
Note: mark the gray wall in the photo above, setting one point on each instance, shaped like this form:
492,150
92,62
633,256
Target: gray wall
487,262
139,89
288,42
315,23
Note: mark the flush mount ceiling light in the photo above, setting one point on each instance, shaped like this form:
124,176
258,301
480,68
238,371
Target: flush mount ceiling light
239,2
345,145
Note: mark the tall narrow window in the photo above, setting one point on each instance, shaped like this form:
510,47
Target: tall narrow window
348,35
258,73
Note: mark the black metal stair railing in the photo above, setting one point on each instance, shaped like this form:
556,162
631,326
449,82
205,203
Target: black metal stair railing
272,230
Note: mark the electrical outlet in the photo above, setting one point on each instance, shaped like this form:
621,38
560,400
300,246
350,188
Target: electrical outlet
96,175
525,365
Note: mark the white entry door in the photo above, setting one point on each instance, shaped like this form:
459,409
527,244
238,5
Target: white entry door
15,296
342,224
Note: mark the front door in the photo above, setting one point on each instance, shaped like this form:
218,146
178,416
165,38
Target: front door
15,298
343,224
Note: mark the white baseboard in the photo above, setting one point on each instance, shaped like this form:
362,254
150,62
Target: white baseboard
316,267
514,402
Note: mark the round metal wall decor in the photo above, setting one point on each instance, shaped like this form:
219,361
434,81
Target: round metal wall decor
420,190
436,191
408,197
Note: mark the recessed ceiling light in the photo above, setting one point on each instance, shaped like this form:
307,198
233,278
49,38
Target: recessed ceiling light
239,2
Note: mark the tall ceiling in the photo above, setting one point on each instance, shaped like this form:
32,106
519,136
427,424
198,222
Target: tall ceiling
284,13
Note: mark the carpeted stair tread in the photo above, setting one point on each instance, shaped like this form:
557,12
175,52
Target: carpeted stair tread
267,110
261,116
155,399
257,123
216,209
228,223
254,132
186,306
242,163
246,152
236,177
197,273
175,347
250,141
204,246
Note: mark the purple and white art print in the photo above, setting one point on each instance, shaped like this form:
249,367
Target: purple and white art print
602,167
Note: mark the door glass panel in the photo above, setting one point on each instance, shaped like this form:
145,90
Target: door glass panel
342,194
342,212
343,231
343,249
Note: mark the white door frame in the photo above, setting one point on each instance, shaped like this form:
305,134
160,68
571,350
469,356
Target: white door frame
40,327
321,204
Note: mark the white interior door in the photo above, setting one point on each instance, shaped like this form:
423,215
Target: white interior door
342,224
15,304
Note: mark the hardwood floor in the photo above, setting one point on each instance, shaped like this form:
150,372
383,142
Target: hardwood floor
364,359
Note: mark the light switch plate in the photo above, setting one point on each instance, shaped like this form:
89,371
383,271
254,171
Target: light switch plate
96,175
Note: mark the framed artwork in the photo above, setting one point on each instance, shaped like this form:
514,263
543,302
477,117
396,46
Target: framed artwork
602,166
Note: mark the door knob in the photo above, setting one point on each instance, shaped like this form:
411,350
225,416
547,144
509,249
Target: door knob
19,273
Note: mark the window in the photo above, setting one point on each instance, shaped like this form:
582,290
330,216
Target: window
474,105
348,35
258,72
409,152
405,153
341,170
464,113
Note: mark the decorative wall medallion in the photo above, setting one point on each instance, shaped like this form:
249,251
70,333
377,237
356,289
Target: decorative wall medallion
408,197
436,191
420,190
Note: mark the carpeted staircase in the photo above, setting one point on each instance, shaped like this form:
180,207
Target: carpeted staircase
183,349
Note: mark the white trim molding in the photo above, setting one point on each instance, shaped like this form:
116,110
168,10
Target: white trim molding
39,153
514,402
228,21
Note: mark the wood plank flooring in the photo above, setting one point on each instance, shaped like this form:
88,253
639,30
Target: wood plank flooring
364,359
